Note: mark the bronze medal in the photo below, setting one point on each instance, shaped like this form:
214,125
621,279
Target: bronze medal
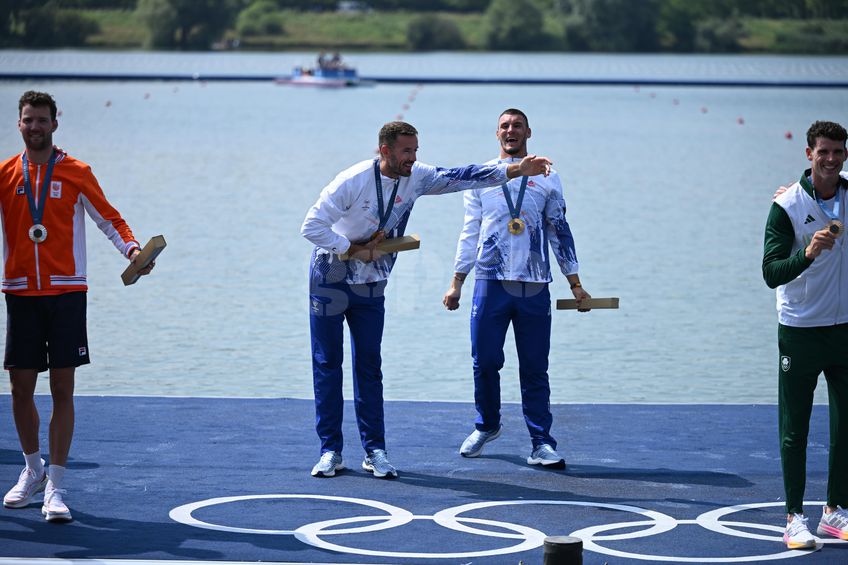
835,227
516,226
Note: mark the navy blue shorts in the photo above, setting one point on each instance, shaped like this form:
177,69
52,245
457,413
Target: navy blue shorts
46,331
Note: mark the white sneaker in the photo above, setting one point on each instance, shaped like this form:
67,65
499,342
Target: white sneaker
546,456
54,508
377,463
834,524
473,444
28,485
327,466
797,534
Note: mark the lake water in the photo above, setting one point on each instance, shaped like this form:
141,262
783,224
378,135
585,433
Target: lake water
668,190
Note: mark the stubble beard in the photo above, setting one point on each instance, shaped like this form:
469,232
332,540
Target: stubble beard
516,150
33,145
397,168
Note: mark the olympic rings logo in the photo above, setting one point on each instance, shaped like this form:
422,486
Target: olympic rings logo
525,538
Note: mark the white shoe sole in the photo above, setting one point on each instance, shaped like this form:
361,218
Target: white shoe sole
552,464
330,473
19,504
377,474
56,516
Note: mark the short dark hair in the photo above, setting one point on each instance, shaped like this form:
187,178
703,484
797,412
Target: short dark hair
515,112
36,99
829,130
390,132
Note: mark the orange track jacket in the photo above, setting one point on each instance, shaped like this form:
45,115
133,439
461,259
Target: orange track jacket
58,264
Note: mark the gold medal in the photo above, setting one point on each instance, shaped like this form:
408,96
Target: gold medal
516,226
38,233
835,227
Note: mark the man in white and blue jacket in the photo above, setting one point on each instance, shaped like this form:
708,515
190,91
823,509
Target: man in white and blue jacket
365,204
506,238
806,258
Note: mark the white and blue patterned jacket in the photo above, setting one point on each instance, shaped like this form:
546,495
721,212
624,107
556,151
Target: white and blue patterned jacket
347,212
487,245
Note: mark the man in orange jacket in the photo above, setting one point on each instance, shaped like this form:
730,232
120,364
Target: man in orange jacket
44,195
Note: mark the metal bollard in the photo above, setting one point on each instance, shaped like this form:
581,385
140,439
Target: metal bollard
563,550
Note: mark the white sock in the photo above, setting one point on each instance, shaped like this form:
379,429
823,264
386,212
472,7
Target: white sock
34,462
56,473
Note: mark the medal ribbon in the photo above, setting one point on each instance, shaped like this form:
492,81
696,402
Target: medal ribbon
37,214
514,211
384,217
835,214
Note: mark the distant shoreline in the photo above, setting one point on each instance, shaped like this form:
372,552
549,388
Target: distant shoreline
386,32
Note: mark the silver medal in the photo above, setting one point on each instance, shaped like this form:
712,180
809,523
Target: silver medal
38,233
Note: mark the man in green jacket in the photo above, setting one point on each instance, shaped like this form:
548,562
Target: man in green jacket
806,259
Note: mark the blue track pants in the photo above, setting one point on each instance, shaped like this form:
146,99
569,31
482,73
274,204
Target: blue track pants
362,306
528,307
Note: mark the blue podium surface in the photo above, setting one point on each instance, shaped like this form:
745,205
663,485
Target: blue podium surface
190,480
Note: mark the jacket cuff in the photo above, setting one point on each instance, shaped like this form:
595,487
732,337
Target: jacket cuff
131,246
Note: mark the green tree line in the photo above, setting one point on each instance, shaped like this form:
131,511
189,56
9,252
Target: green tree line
813,26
